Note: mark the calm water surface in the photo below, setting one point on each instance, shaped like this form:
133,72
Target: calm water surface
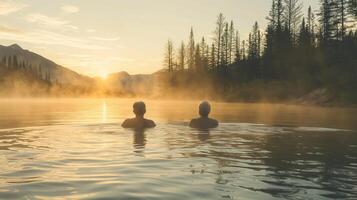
76,149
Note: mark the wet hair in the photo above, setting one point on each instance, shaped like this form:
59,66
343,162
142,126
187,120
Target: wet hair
139,108
204,109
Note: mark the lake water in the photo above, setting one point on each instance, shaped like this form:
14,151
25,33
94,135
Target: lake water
76,149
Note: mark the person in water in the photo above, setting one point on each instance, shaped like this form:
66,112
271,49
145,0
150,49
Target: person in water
204,122
139,122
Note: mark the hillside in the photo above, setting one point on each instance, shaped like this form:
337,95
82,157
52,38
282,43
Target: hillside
13,57
25,73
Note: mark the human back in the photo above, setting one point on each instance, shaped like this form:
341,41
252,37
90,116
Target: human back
139,122
204,122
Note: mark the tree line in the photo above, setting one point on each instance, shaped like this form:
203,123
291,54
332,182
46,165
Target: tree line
13,63
309,51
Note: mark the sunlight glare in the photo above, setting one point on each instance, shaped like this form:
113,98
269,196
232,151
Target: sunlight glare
104,75
104,112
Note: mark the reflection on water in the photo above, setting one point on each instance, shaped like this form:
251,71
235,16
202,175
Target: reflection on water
104,112
80,151
203,135
139,141
235,161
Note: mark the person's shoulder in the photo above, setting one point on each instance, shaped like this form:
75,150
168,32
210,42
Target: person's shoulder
214,122
150,123
127,123
195,119
193,122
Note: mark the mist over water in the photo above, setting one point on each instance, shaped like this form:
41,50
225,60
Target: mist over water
76,148
44,111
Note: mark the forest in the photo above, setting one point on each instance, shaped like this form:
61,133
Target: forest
299,55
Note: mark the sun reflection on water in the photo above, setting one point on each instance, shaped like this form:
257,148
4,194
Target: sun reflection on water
104,111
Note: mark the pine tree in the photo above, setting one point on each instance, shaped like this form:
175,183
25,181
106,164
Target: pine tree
181,57
259,43
191,51
237,48
279,11
169,56
250,47
269,40
290,52
212,59
243,53
220,24
225,47
326,15
203,46
198,59
341,18
304,39
352,8
204,54
311,25
292,16
231,43
272,18
206,59
254,43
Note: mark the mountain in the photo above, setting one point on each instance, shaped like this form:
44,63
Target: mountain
25,73
14,57
140,84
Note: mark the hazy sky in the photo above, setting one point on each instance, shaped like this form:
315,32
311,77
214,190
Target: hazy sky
96,37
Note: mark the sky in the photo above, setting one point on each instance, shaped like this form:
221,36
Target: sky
99,37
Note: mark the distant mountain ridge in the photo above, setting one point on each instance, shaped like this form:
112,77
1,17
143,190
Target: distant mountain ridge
13,57
21,69
140,84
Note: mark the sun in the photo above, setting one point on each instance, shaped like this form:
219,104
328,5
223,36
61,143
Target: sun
103,75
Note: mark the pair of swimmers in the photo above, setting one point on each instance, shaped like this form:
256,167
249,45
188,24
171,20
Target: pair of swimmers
139,122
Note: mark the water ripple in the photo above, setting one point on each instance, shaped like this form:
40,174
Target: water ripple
235,161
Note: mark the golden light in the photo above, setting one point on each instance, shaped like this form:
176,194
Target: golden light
103,75
104,111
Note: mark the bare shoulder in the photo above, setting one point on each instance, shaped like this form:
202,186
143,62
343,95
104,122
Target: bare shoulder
127,123
150,123
195,119
214,122
211,123
193,123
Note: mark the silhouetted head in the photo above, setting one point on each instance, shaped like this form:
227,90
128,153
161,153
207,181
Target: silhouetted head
139,108
204,109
